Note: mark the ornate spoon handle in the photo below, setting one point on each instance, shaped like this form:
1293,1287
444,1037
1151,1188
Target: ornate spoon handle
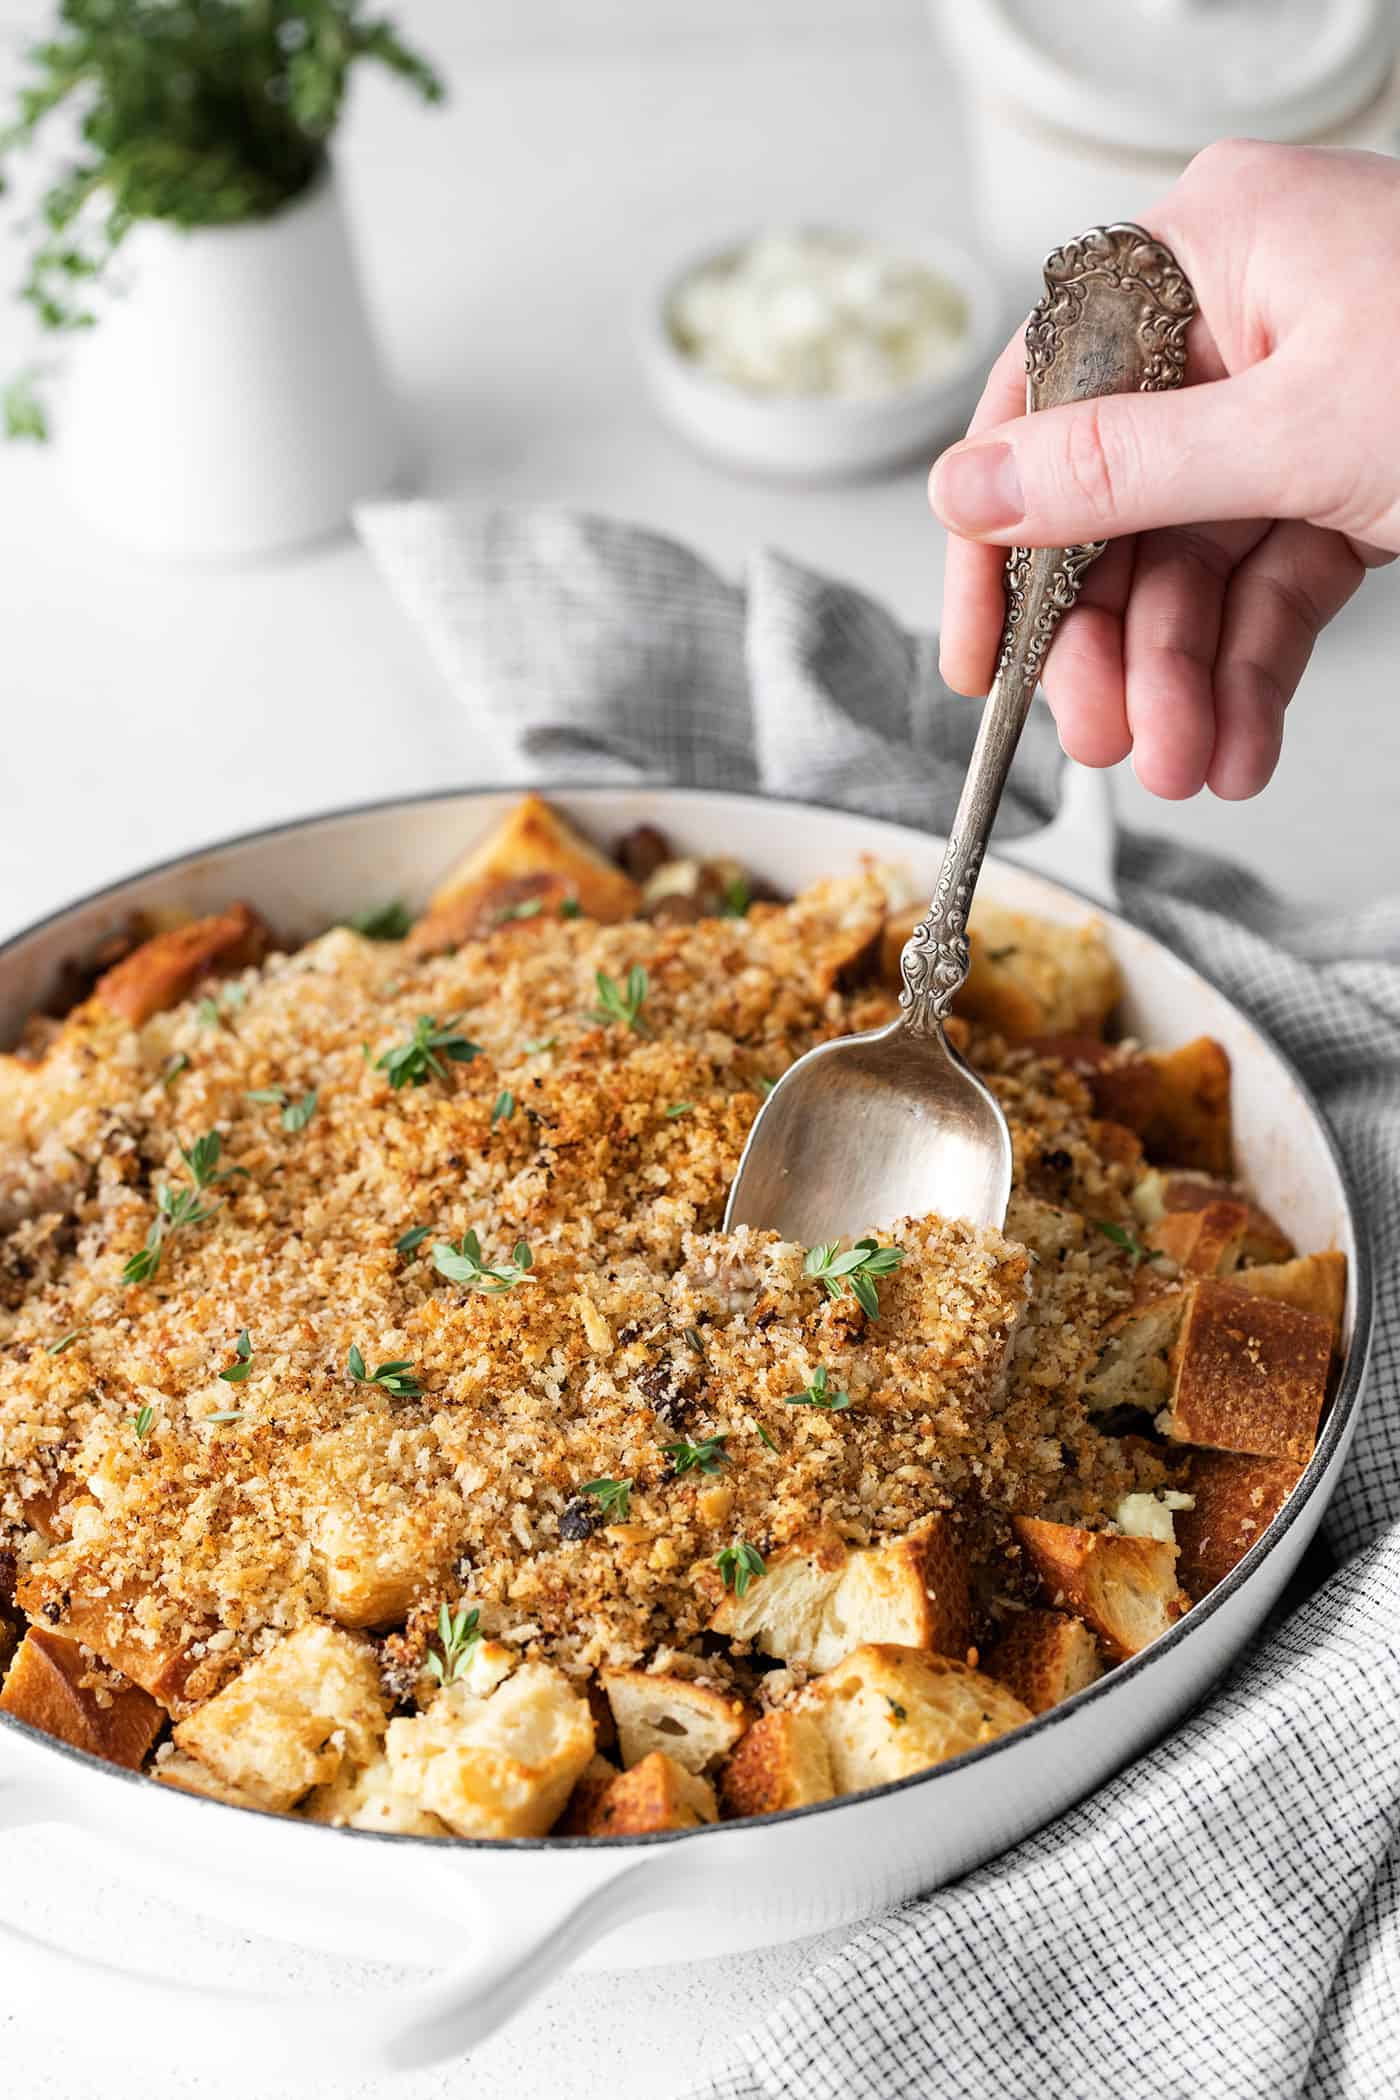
1113,320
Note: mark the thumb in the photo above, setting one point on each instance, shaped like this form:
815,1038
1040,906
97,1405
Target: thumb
1094,470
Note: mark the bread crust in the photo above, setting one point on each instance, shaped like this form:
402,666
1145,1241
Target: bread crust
54,1686
1125,1589
1236,1498
534,856
165,969
1044,1657
1249,1374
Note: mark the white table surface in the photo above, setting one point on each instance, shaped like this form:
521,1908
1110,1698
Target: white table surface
147,708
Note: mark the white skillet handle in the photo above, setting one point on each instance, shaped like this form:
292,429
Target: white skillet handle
407,2027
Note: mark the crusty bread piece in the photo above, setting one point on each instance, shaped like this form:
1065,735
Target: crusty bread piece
1190,1124
1164,1192
1178,1101
1236,1496
166,969
1133,1366
188,1776
818,1600
502,1766
1122,1081
1249,1374
1031,977
292,1718
372,1567
655,1794
1126,1589
782,1762
364,1797
533,854
1314,1283
693,1724
1042,1657
888,1711
1205,1242
54,1686
110,1626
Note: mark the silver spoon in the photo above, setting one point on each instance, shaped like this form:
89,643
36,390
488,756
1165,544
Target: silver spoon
894,1123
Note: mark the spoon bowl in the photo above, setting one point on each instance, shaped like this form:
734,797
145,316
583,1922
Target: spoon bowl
870,1129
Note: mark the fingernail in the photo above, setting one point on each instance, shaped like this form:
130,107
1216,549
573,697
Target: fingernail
976,488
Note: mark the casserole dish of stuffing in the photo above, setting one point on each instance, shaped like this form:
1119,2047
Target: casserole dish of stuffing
398,1464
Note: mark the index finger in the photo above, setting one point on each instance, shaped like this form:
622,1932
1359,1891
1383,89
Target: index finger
974,601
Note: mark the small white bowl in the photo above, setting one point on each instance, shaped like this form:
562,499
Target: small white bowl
824,437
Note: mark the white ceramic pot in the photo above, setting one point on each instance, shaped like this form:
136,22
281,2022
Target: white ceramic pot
230,401
497,1920
1078,116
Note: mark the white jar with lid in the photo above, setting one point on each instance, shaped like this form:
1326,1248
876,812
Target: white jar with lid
1086,112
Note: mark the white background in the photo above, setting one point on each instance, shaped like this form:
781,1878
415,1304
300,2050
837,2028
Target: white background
505,242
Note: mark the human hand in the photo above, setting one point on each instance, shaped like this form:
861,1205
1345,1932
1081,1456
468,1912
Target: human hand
1244,509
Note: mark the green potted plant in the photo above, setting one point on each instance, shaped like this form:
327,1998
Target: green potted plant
219,391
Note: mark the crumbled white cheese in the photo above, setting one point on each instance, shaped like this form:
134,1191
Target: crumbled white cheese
1150,1516
819,313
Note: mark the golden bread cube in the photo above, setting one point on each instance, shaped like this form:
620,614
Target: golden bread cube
819,1600
1164,1192
291,1719
1249,1374
656,1794
1126,1589
1043,1657
1235,1496
188,1776
534,854
166,969
889,1711
782,1762
693,1724
54,1686
1032,977
1133,1368
1313,1283
502,1766
364,1797
1205,1242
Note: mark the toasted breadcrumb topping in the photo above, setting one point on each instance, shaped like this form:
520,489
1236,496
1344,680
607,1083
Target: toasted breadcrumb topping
638,1325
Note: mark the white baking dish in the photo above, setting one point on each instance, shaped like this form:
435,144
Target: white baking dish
495,1921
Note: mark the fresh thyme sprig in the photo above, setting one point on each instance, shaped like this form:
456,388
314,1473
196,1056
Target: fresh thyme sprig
1130,1245
619,1004
858,1267
613,1498
143,1422
412,1240
820,1393
705,1457
458,1638
504,1108
242,1364
460,1262
421,1058
177,1208
739,1565
382,922
64,1342
394,1377
295,1114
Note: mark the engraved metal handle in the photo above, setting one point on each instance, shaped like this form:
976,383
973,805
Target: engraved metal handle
1113,320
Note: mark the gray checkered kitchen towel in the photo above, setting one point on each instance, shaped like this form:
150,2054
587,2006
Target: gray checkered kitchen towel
1223,1919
